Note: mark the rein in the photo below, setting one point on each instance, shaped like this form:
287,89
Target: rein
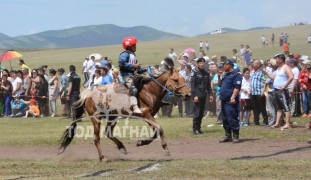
170,93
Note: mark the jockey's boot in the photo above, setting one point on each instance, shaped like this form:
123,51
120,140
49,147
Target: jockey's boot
136,109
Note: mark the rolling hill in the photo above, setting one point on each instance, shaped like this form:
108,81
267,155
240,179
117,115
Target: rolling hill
227,30
85,36
3,36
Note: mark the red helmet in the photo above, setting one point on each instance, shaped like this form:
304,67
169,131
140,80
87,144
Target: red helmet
129,41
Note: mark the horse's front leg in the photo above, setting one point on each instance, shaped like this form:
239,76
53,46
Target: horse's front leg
158,130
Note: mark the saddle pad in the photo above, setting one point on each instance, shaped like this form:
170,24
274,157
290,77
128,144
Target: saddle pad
120,89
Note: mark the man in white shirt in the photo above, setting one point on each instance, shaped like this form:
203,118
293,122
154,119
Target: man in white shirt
292,87
263,40
85,70
201,45
206,45
172,55
91,70
16,84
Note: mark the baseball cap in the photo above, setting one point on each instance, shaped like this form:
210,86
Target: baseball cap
292,60
304,57
228,61
32,101
306,61
185,55
206,58
272,61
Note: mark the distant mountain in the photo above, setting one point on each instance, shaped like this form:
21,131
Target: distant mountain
3,36
95,35
258,28
228,30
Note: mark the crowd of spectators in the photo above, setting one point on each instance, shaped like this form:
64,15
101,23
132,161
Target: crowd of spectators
34,92
27,88
259,97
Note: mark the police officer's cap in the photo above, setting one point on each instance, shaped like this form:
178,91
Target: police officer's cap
201,60
228,61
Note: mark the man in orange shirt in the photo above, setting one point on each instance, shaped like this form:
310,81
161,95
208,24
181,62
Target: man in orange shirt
286,49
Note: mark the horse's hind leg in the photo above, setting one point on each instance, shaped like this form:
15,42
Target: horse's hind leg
96,124
109,133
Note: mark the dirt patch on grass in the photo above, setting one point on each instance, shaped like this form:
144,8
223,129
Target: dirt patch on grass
182,148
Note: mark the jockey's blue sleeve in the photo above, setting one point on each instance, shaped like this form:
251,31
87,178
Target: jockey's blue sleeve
124,62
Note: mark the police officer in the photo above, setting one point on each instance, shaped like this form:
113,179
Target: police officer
230,86
73,89
200,87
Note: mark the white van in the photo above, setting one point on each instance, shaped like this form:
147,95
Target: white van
217,31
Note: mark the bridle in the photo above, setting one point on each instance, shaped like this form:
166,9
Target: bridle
170,93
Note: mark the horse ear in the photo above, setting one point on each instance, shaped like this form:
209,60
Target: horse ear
171,70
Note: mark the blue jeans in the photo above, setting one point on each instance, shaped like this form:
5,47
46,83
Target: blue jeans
306,100
7,104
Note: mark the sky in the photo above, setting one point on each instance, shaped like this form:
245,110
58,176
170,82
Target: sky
184,17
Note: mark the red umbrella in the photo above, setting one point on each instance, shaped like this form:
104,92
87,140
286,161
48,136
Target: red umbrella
10,54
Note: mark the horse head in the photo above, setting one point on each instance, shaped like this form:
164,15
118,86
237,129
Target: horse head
176,83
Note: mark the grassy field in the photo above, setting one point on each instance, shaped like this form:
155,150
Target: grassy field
47,131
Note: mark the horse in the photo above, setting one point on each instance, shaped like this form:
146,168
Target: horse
103,101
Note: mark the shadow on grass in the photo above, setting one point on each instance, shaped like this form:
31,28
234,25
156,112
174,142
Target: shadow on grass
273,154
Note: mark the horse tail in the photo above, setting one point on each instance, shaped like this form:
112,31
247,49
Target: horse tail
78,110
78,106
67,137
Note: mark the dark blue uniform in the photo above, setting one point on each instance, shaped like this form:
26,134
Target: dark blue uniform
230,112
201,87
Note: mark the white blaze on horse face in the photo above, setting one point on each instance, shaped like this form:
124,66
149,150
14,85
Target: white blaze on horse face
106,99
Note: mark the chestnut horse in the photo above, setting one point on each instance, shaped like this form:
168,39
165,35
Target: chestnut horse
102,102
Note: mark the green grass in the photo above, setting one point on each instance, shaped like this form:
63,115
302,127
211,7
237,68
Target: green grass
47,131
177,169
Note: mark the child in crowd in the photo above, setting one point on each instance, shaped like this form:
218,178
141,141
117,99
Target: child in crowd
18,107
33,109
245,101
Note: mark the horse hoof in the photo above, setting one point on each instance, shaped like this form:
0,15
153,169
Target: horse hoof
139,143
166,153
104,159
123,151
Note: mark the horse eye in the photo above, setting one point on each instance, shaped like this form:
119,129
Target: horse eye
176,80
